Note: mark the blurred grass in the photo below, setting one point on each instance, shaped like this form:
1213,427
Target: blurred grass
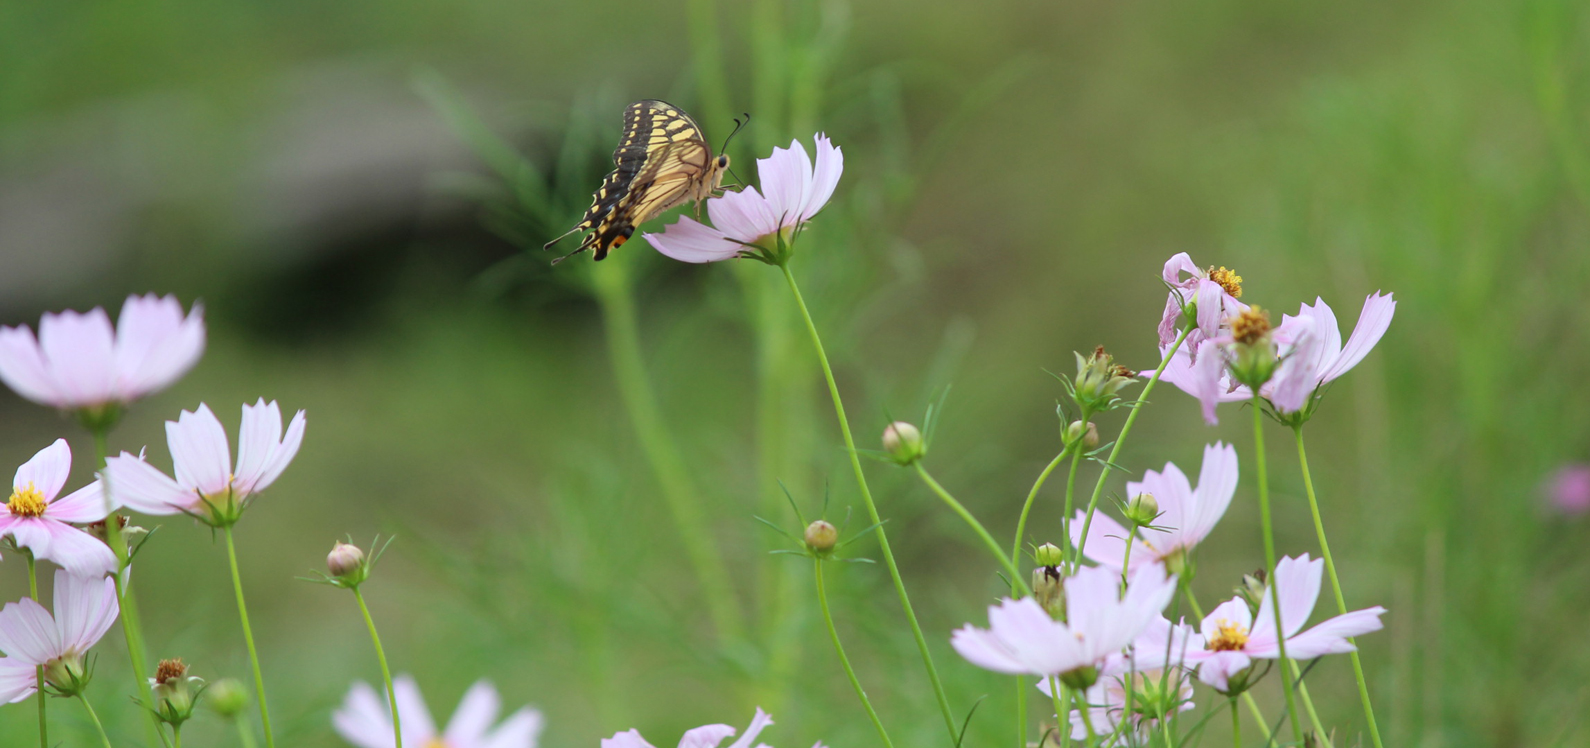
461,398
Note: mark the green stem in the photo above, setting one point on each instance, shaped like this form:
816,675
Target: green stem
1015,557
1087,719
850,672
33,592
1308,705
1115,451
131,627
1126,558
1062,703
386,673
872,509
1336,588
245,736
680,493
1067,551
176,736
1269,562
1236,726
248,637
977,527
95,717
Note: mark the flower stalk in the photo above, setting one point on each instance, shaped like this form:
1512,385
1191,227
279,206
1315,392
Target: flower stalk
977,527
33,592
386,673
104,739
1269,562
131,629
850,672
248,638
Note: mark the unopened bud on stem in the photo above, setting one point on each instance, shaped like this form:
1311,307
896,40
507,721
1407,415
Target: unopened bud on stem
821,537
346,562
1142,509
1048,554
1088,434
227,697
903,442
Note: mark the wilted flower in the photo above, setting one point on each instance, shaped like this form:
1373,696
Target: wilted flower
1314,355
747,223
1098,379
175,692
1233,635
1568,489
1209,294
79,362
1022,638
206,485
1205,377
706,736
85,607
36,520
365,721
1186,515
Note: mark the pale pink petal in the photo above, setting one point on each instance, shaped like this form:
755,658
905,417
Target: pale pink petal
282,456
705,736
985,650
1170,320
1329,332
1147,594
1026,631
23,368
364,719
1331,635
137,485
85,608
155,344
1162,644
522,729
71,548
1298,375
830,164
474,715
1106,541
28,633
688,240
786,178
1217,483
744,215
759,722
417,724
80,349
1299,580
628,739
86,504
1179,263
258,437
47,470
1206,379
1372,324
17,680
1218,669
200,451
1234,611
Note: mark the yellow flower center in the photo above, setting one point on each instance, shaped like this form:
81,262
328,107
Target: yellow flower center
1251,326
1228,279
1229,637
26,502
435,743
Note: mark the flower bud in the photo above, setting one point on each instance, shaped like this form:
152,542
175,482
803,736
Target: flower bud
226,697
1081,678
1048,554
1253,360
346,562
1252,590
821,537
1089,436
173,692
903,442
1142,509
66,676
1048,591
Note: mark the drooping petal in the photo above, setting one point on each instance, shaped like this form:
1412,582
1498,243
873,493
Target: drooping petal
474,715
47,470
1206,379
23,368
628,739
416,718
1372,324
200,451
705,736
17,680
786,178
688,240
80,349
282,456
1298,374
830,164
71,548
522,729
139,486
85,608
759,722
1106,542
1331,635
363,718
86,504
1179,263
1211,306
28,633
155,344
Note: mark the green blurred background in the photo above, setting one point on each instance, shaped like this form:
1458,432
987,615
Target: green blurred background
1016,175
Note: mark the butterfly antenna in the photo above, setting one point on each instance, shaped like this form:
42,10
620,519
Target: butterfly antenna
738,124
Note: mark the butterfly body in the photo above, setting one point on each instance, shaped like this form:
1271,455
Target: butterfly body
663,160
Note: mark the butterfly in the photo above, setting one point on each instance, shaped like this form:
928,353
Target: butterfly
661,161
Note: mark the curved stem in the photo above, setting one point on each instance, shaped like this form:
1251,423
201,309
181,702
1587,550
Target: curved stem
245,736
1115,451
248,637
33,592
131,628
1336,588
1032,495
1269,562
95,717
872,509
850,672
386,673
977,527
678,490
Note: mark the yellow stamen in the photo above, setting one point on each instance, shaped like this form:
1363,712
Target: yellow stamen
26,502
1228,279
1229,637
435,743
1251,326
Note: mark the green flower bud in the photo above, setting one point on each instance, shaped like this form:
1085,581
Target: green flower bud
1048,554
226,697
821,537
174,692
1251,590
1088,435
903,442
1099,378
1081,679
1142,509
66,676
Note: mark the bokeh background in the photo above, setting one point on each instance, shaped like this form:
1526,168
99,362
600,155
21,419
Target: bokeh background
352,189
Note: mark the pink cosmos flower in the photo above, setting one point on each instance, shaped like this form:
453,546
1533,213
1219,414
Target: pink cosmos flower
1211,289
1107,705
1204,374
1569,490
707,736
1023,639
1187,515
365,721
206,484
1232,637
1313,354
85,607
79,361
36,520
793,190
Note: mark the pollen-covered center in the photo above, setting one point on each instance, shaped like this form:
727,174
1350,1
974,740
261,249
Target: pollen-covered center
1228,279
436,743
170,670
26,501
1229,637
1250,327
